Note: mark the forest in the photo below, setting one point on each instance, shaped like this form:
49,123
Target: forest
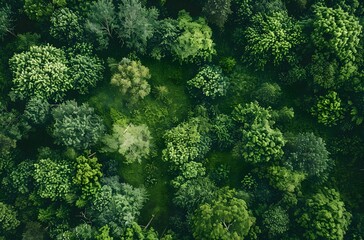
181,119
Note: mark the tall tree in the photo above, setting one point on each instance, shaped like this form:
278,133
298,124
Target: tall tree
136,24
76,126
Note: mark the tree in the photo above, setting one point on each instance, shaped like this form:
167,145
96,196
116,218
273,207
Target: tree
272,39
88,175
37,110
101,21
40,72
284,179
41,9
6,22
66,26
307,153
210,81
335,36
53,179
268,93
259,142
323,216
276,220
133,142
222,129
8,218
85,68
117,205
217,11
76,126
328,109
194,43
136,24
226,217
131,76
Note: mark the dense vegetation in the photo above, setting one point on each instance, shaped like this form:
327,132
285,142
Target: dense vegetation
169,119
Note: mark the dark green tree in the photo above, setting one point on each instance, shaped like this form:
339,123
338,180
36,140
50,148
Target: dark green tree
66,26
37,110
323,216
226,217
217,11
101,21
276,221
6,22
8,218
136,24
41,9
76,126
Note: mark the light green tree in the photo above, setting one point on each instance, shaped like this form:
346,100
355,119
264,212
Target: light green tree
323,216
8,218
76,126
328,109
40,72
226,217
194,43
131,141
131,78
272,39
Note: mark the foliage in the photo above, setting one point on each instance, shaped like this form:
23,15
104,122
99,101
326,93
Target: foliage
131,141
53,179
40,72
88,174
324,216
272,39
76,126
284,179
226,217
185,142
217,11
259,142
268,93
328,109
222,129
21,177
6,21
193,193
66,26
37,110
276,220
85,69
307,153
8,218
101,21
136,24
194,43
210,81
117,205
41,9
131,77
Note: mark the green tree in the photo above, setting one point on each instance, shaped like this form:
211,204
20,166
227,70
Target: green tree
211,81
194,43
66,26
335,36
307,153
165,36
226,217
40,72
323,216
37,110
222,129
8,218
101,21
88,175
272,39
6,22
276,221
259,142
136,24
217,11
41,9
133,142
53,179
85,68
284,179
268,93
131,77
76,126
328,109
